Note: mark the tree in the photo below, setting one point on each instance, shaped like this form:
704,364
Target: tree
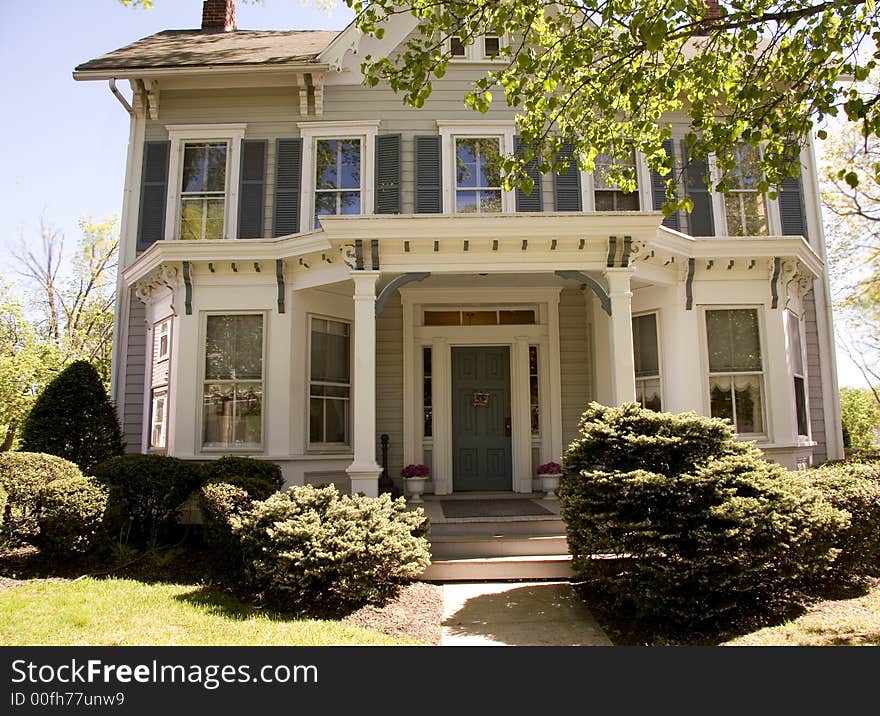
74,419
861,417
606,74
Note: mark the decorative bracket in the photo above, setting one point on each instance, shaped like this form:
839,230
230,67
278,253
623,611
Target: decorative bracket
594,285
395,284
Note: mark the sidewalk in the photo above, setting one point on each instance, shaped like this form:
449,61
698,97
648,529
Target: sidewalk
517,614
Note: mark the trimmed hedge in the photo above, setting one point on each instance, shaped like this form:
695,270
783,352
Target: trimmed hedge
854,487
316,550
74,419
701,524
146,493
258,478
72,515
24,476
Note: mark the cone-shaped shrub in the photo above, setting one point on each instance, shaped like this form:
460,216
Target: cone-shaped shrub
74,419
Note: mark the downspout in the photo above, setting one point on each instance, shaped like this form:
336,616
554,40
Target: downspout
119,96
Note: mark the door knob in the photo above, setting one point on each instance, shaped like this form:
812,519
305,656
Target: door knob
507,426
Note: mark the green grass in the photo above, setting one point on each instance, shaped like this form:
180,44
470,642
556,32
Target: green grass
123,612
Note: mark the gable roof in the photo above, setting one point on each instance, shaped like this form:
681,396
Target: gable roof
197,48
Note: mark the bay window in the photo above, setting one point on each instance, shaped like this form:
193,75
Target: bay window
329,382
233,384
736,376
646,358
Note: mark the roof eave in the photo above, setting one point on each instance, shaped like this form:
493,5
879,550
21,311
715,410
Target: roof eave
122,73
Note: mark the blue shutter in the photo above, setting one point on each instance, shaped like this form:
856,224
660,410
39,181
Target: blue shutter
658,189
701,221
252,188
567,186
288,186
154,190
388,171
535,200
429,187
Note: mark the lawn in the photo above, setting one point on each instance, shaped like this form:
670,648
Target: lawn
123,612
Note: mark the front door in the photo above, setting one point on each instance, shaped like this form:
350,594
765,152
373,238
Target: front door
481,454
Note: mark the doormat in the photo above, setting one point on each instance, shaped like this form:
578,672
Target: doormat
493,508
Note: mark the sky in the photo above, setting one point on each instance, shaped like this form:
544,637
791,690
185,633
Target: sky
64,142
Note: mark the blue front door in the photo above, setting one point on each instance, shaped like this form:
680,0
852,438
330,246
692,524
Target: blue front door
481,454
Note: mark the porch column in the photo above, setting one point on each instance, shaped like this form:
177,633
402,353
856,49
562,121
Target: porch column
364,471
623,382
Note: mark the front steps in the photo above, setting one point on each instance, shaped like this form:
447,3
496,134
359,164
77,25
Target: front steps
496,548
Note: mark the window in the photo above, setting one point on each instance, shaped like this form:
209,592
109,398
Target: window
158,418
480,317
202,199
491,46
233,388
745,208
796,356
337,177
608,196
477,175
163,339
456,47
475,48
735,368
329,382
534,406
646,357
426,393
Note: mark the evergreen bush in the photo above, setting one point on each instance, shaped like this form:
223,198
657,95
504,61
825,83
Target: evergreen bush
72,516
146,493
701,525
318,551
74,419
258,478
219,503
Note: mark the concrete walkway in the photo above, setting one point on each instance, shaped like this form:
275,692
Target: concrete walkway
517,614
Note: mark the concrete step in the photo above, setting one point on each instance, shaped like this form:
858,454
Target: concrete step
522,526
546,566
464,546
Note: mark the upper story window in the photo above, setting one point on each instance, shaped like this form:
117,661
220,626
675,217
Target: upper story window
491,46
457,48
338,187
608,196
481,48
477,175
646,355
745,208
233,384
736,373
204,164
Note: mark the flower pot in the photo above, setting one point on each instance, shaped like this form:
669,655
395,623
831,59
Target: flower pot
415,486
549,484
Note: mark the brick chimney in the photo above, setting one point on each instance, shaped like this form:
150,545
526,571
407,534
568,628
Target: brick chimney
218,15
713,11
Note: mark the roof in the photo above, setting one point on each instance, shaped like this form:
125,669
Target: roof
197,48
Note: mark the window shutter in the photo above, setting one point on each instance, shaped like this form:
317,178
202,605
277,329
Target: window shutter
288,184
429,187
791,208
701,220
658,189
388,171
535,200
252,188
567,186
154,190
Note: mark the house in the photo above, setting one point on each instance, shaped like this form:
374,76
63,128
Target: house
308,265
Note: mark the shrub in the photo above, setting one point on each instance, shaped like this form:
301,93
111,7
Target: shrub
853,487
219,503
72,515
74,419
702,523
24,476
316,550
146,492
258,478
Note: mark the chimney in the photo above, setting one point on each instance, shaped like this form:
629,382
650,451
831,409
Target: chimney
218,15
713,11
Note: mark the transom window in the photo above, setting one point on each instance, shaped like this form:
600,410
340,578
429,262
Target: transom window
329,382
233,388
608,196
477,175
646,356
745,208
337,177
736,380
480,317
203,190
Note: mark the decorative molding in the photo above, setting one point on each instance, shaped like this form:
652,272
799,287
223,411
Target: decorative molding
164,276
349,255
594,285
395,284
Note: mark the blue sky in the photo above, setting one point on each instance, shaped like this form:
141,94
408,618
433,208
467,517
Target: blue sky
64,142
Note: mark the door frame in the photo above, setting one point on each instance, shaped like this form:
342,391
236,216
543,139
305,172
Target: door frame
452,434
544,334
